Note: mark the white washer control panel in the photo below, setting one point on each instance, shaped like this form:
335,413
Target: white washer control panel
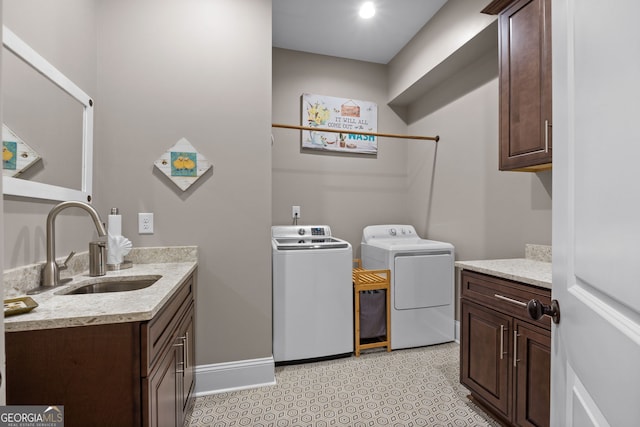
300,230
388,232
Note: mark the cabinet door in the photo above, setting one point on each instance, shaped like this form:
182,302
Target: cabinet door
94,371
186,362
162,389
484,355
532,375
525,85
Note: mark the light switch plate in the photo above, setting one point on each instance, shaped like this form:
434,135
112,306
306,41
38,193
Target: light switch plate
145,223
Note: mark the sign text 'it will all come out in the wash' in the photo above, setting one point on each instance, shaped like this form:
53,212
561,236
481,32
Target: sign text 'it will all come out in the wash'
328,112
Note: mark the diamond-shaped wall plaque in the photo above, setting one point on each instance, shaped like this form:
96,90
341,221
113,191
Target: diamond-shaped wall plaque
183,164
17,156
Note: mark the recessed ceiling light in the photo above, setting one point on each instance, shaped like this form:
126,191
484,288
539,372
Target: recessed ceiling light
367,10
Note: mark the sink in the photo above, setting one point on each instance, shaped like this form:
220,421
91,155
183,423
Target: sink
113,284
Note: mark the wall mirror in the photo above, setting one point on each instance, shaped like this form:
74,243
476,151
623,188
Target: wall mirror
54,117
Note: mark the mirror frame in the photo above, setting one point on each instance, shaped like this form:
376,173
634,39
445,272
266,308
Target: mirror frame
20,187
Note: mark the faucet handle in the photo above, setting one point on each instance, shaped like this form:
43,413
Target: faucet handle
64,265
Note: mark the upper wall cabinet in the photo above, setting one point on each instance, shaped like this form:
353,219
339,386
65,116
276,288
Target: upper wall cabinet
524,38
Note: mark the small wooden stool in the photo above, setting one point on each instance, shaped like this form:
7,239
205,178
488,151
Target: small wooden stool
371,280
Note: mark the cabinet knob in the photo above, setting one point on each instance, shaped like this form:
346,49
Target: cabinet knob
537,309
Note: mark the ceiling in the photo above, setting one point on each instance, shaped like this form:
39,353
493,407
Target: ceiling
333,27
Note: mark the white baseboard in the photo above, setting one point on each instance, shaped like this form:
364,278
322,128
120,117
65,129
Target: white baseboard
244,374
237,375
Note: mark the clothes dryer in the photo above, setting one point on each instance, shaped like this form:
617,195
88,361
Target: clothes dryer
422,283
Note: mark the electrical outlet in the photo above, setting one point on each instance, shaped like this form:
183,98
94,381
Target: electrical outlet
145,223
295,212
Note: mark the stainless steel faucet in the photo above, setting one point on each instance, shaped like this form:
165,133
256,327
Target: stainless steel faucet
51,269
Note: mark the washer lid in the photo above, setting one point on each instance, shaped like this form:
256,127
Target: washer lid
308,243
417,244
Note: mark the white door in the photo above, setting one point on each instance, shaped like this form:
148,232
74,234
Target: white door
596,213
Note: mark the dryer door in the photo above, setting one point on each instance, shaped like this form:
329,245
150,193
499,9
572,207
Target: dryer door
422,281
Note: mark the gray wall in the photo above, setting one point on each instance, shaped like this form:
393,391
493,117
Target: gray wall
434,49
160,71
347,192
169,69
450,191
457,193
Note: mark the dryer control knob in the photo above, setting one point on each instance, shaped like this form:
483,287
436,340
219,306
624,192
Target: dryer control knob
301,231
392,231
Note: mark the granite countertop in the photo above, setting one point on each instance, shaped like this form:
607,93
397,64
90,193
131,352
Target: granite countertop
60,311
534,269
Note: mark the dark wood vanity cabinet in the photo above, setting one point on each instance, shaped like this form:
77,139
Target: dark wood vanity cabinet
119,374
504,355
169,387
168,370
524,37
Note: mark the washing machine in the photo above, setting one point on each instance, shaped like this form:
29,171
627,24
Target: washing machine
422,283
312,294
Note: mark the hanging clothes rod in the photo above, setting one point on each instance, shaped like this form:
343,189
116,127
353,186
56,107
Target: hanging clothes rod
386,135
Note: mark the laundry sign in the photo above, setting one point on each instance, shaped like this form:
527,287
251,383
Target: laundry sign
343,116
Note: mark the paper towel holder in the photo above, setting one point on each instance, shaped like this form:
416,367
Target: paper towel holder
124,264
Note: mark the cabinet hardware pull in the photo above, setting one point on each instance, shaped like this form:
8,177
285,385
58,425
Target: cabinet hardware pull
502,342
511,300
515,348
186,350
185,353
546,135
